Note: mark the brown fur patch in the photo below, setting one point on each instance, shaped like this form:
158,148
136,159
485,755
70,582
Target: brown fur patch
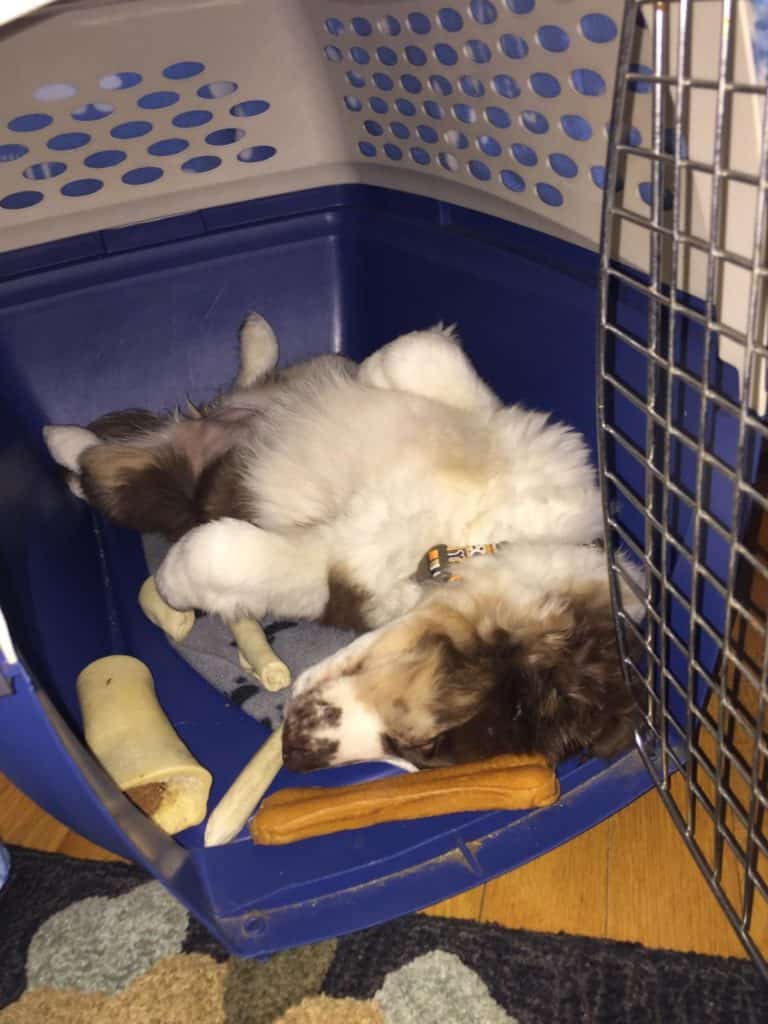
147,489
345,607
116,426
221,490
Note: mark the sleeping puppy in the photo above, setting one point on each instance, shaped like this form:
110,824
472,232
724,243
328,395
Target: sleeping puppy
398,497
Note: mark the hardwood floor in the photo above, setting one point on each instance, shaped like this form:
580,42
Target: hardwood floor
629,878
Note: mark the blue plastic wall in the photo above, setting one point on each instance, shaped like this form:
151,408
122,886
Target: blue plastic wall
148,315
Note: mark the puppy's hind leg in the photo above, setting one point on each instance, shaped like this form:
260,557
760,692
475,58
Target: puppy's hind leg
258,351
431,363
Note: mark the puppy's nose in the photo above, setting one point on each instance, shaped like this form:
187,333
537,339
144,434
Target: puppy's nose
302,752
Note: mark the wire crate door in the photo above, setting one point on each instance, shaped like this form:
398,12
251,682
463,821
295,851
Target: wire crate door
683,356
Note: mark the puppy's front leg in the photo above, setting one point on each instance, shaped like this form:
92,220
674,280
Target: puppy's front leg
236,570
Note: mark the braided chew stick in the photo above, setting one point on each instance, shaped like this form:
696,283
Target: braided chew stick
508,782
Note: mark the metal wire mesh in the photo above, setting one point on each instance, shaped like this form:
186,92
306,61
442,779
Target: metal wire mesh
682,370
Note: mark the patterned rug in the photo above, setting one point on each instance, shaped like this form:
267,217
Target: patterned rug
83,942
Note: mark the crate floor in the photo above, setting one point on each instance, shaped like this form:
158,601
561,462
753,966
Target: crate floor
606,883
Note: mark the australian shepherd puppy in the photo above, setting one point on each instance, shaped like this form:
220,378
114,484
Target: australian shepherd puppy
340,493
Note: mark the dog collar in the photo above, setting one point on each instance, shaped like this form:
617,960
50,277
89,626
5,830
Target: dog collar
436,564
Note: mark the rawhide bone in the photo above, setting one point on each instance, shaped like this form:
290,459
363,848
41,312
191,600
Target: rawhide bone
128,731
506,783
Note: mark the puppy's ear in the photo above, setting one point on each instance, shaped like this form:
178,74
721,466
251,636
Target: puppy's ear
67,444
583,693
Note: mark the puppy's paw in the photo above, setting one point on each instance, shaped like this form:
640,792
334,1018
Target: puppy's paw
205,569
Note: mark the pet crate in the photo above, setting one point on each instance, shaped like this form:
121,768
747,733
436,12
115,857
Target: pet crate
354,169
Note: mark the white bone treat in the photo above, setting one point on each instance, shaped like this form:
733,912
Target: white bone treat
235,807
128,731
257,657
174,624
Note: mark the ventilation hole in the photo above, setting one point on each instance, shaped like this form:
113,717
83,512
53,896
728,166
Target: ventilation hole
506,86
367,148
12,151
576,127
446,54
471,86
386,55
524,154
419,155
353,103
120,80
20,200
334,26
393,152
333,53
549,194
362,26
632,137
588,82
534,122
410,83
513,46
47,169
201,164
641,87
456,138
359,55
512,181
185,69
135,129
419,23
440,85
483,11
669,143
55,91
598,176
373,128
189,119
645,189
448,161
427,133
82,187
563,165
463,112
416,56
405,107
169,147
450,19
30,122
389,26
69,140
224,136
158,100
489,145
399,130
478,51
479,170
598,28
382,81
521,6
378,105
498,117
553,39
92,111
142,175
215,90
544,84
433,109
356,79
105,158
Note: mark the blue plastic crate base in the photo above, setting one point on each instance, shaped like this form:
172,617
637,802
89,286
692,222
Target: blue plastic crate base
144,316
